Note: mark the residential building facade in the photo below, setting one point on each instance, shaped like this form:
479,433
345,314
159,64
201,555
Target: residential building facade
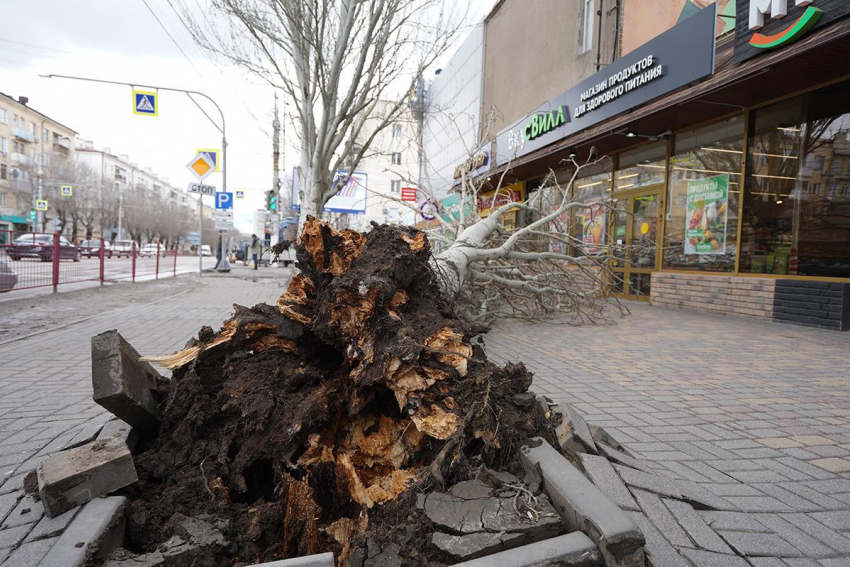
37,156
129,201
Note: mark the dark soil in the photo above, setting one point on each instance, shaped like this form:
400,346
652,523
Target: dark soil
312,425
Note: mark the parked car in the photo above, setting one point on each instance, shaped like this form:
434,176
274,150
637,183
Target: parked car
41,246
8,277
151,250
206,250
91,247
123,248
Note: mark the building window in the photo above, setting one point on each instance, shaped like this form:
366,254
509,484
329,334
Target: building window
396,158
4,173
701,228
20,203
794,221
4,116
395,186
585,33
34,129
3,198
4,145
45,135
396,130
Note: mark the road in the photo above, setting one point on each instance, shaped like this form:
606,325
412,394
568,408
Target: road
35,277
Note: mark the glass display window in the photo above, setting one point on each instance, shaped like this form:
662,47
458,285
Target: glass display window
704,190
588,224
796,215
641,167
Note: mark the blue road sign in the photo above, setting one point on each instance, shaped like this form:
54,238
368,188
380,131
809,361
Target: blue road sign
240,194
223,200
145,103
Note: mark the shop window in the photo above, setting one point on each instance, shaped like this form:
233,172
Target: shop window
588,224
641,167
701,224
796,216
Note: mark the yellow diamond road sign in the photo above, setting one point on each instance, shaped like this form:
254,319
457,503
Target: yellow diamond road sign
201,166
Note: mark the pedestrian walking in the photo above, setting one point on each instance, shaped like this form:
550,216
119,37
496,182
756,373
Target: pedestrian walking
256,249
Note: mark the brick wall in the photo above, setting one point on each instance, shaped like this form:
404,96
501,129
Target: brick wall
814,303
822,304
717,293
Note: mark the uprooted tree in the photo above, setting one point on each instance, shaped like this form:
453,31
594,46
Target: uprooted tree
359,387
524,258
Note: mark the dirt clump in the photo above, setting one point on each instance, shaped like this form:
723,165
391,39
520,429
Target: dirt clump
318,424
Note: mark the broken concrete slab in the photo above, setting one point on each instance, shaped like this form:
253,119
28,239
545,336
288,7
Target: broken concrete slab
193,536
87,432
122,429
571,550
473,546
542,409
122,384
96,531
583,507
76,476
573,433
469,508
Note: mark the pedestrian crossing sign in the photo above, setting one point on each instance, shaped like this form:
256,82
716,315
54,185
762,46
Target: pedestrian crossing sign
240,194
67,190
40,205
145,103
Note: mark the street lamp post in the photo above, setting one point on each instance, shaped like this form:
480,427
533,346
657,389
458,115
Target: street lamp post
223,265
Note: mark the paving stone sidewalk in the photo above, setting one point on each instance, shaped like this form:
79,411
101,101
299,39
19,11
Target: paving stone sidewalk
756,412
45,391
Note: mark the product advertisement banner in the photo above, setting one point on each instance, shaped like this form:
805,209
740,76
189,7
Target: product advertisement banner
706,216
593,227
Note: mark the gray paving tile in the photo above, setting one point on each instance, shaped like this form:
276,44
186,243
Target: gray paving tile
661,517
748,543
704,537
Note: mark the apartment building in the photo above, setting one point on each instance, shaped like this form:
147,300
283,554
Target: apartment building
37,154
142,196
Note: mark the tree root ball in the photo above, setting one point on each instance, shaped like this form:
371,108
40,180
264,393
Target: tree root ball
311,425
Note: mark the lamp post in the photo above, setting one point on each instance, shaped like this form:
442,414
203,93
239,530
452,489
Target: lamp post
223,265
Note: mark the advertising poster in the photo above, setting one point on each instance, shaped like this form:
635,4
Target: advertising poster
593,227
706,216
351,197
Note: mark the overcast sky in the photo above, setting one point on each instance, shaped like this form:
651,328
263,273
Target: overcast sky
122,41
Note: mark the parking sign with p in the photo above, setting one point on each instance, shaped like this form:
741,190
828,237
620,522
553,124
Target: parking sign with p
223,200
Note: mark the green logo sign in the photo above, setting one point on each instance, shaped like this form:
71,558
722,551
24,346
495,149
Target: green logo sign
790,34
546,122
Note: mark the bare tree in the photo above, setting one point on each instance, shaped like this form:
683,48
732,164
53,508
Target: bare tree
335,60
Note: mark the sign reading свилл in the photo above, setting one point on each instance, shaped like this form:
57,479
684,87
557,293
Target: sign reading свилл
706,216
681,55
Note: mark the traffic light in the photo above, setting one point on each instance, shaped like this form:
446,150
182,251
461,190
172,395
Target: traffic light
271,200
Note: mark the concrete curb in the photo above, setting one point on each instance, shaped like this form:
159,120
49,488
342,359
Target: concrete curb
584,507
98,529
573,550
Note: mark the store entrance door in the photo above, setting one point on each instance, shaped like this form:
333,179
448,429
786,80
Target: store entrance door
636,234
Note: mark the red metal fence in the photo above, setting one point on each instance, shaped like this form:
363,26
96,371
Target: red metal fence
35,259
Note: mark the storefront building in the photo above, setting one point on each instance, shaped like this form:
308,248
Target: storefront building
726,183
